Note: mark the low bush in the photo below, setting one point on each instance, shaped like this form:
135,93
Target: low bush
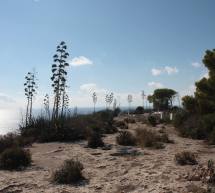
195,126
69,173
14,158
146,138
188,125
186,158
125,138
164,137
165,119
24,141
151,138
14,140
207,124
121,124
204,173
211,172
129,120
95,139
212,137
158,145
109,128
7,141
152,120
139,110
116,112
68,128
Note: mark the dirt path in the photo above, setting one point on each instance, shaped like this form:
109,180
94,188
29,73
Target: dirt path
153,171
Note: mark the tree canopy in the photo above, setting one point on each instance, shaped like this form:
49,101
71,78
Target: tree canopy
205,88
162,99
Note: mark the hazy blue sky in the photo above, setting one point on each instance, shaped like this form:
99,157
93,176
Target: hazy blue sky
123,46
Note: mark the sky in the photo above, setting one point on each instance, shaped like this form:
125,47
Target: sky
119,46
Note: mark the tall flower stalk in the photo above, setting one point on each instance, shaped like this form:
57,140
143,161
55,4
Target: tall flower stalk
59,75
109,100
130,99
30,91
47,106
94,96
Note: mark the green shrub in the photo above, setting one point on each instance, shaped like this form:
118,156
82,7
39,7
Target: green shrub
139,110
188,125
195,126
186,158
189,103
14,158
95,139
125,138
212,137
69,173
207,123
152,120
179,117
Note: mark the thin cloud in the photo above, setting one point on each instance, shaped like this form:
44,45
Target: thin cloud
155,85
92,87
170,70
6,99
89,87
80,61
196,65
167,69
156,72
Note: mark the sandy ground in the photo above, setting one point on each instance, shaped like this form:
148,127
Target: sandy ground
153,171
